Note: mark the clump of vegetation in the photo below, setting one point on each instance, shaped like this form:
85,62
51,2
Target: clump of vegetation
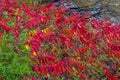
49,42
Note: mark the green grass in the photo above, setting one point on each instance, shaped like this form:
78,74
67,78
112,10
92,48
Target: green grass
12,65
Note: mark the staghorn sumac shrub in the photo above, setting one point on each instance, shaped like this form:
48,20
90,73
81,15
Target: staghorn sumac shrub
63,44
67,45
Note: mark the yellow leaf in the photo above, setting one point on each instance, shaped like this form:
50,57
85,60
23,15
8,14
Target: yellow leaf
45,30
27,46
34,53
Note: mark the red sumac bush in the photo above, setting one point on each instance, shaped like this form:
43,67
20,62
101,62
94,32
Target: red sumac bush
65,44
